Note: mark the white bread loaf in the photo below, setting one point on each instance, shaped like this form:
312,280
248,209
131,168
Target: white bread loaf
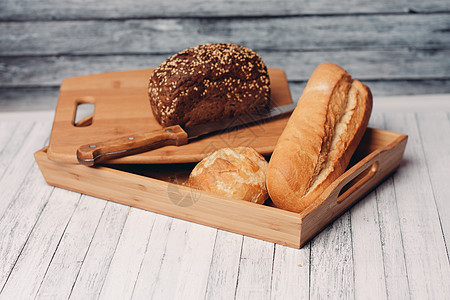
238,173
319,139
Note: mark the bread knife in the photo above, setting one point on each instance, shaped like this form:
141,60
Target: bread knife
93,153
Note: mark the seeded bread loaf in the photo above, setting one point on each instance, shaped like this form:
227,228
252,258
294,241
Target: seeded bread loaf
319,139
208,83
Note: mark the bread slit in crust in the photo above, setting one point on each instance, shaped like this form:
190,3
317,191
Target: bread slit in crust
319,139
337,146
337,108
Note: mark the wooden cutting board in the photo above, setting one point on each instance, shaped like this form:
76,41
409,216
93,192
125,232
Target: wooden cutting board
122,108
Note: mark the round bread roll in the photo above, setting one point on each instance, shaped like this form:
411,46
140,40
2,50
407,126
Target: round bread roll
238,173
208,83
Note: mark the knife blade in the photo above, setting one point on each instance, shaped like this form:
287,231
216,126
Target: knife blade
93,153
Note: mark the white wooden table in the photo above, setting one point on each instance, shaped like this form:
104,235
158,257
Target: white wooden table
57,244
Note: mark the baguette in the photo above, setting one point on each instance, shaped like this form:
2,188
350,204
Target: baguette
319,139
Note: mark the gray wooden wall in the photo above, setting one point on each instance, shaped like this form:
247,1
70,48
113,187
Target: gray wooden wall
396,47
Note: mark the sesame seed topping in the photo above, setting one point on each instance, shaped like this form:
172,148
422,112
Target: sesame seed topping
202,82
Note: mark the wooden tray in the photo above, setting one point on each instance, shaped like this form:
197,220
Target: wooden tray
122,107
159,188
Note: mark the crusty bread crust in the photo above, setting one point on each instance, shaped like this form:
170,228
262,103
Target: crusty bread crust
319,139
208,83
238,173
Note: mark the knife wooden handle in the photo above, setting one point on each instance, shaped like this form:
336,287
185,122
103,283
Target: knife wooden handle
93,153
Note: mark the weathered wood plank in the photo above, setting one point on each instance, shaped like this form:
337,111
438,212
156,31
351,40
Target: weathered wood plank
130,251
396,281
7,137
153,259
435,137
376,120
368,265
70,254
21,159
370,282
331,262
425,254
290,275
412,103
392,243
186,262
95,266
223,273
7,128
34,259
391,88
172,35
255,269
364,64
20,217
28,99
75,9
31,99
409,87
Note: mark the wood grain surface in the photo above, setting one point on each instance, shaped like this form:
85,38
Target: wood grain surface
396,48
378,155
122,109
310,33
76,9
59,244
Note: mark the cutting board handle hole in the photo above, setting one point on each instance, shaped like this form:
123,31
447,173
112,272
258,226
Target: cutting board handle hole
357,182
84,113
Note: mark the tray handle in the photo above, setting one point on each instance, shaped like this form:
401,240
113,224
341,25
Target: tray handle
351,186
342,194
353,183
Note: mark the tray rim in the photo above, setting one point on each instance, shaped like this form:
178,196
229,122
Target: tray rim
259,221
